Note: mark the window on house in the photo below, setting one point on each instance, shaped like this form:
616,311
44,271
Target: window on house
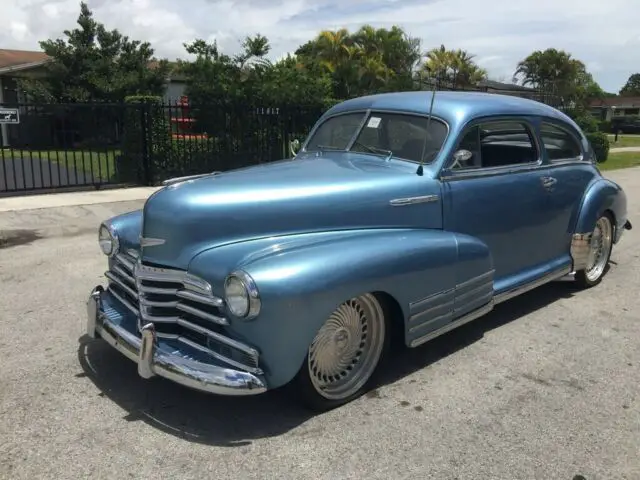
559,143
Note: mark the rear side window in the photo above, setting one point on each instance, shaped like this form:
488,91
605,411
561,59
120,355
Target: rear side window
499,144
559,143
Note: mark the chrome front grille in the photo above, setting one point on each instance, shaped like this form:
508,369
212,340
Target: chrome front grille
181,306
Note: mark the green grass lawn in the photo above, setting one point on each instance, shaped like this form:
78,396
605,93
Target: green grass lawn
101,164
621,160
625,141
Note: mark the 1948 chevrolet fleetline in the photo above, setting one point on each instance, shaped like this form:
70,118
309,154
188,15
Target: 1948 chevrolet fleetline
397,212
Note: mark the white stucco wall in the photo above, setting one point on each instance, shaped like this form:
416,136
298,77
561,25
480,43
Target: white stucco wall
174,91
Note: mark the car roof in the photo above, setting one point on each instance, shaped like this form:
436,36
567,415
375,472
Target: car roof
453,107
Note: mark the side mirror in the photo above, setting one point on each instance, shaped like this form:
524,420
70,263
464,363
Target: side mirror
461,157
294,147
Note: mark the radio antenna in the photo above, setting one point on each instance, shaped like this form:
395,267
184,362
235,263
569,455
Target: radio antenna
420,170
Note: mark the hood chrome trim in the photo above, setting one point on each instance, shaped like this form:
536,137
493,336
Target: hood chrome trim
151,242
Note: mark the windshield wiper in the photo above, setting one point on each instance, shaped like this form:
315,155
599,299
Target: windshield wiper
371,149
327,147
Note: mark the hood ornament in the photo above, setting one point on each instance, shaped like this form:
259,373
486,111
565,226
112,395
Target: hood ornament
150,242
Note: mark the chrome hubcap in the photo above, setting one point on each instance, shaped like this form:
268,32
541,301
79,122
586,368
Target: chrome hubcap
599,248
346,350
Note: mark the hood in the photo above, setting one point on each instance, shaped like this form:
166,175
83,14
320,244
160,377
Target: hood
336,191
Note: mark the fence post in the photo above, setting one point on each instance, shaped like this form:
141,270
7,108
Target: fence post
145,143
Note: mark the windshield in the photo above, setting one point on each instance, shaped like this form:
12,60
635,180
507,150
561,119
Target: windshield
399,135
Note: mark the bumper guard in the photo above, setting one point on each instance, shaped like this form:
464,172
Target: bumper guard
152,361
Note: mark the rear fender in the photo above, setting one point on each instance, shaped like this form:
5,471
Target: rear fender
602,195
302,284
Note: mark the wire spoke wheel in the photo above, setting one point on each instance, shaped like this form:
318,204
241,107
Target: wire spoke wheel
599,248
346,350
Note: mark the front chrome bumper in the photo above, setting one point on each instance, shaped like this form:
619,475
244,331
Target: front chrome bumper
153,361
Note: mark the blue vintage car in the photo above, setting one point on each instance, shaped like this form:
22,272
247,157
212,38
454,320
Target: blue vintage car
401,212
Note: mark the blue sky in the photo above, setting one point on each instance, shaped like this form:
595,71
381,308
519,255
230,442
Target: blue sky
603,34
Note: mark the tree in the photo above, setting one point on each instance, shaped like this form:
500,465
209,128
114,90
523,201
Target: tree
453,68
557,72
214,77
632,87
95,64
367,61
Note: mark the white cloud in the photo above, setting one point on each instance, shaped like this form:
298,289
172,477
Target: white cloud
604,35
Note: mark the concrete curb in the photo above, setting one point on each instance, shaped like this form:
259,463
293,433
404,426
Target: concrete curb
624,149
71,199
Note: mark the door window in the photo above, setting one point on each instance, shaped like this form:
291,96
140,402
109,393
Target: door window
559,143
498,144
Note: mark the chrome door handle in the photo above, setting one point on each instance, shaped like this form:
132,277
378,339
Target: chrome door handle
548,182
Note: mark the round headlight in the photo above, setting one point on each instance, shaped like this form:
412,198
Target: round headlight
241,295
108,241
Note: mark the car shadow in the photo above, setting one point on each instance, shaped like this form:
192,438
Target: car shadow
236,421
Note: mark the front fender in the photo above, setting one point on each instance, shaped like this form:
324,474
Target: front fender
301,282
601,195
128,227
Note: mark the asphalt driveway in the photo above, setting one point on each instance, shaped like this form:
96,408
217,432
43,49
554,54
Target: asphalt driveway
545,387
36,173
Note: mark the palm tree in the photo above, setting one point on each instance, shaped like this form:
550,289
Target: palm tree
456,68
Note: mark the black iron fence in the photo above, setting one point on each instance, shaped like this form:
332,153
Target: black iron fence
62,146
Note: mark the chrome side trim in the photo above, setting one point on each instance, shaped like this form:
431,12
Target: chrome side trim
580,250
474,291
519,290
417,303
454,175
422,325
456,323
401,202
568,162
483,310
418,315
483,276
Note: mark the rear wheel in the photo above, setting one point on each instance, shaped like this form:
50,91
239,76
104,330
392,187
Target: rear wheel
344,355
600,248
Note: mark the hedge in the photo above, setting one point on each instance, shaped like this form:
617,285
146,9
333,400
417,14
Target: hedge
600,144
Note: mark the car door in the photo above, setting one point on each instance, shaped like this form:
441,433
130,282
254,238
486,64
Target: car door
498,195
569,175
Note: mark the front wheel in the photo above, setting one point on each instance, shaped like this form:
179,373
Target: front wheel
344,355
600,249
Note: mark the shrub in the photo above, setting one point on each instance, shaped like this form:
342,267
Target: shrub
145,132
605,126
600,144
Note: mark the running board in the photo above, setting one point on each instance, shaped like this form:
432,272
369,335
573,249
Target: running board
569,277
